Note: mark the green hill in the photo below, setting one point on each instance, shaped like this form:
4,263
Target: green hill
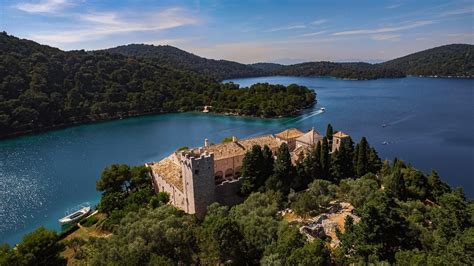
43,87
177,58
447,60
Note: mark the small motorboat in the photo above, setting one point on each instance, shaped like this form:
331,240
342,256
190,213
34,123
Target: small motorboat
75,216
385,143
322,109
384,125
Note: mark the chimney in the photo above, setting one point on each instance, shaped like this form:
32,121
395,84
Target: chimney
206,143
234,139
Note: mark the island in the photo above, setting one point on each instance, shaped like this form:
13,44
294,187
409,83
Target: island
296,197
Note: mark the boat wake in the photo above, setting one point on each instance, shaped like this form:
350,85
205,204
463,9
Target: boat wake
304,117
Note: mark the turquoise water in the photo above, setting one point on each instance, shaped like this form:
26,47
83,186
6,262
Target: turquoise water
429,123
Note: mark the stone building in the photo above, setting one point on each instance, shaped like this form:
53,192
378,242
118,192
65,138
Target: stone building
338,139
195,178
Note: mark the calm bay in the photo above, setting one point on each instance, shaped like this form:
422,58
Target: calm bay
427,122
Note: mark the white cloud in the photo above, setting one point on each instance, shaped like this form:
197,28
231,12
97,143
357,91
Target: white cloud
102,25
312,34
386,37
319,22
292,27
44,6
413,25
462,11
393,6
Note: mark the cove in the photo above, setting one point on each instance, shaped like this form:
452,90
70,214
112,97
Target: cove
428,123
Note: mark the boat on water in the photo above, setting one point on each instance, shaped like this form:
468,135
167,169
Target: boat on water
75,216
322,109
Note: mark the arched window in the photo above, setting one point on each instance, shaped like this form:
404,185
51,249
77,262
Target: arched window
238,172
219,177
229,173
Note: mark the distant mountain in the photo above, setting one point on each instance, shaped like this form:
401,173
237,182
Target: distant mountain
447,60
358,71
268,67
177,58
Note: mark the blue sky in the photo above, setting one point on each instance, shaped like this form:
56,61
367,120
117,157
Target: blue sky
247,31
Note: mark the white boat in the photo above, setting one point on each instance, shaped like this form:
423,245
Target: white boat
75,216
322,109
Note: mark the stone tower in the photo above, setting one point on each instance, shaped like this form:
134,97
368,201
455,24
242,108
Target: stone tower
338,139
198,180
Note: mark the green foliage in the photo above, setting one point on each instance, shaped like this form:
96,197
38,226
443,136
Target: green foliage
381,232
359,191
446,60
165,232
41,247
256,218
366,159
395,184
90,221
283,171
315,199
44,88
359,71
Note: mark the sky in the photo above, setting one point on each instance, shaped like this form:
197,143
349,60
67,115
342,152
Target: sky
247,31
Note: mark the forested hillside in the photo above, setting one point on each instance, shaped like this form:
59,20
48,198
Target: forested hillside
43,87
400,216
177,58
448,60
359,71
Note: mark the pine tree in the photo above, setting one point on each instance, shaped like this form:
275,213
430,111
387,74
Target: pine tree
341,162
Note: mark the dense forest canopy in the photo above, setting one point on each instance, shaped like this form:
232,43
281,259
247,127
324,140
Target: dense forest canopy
404,217
177,58
43,87
448,60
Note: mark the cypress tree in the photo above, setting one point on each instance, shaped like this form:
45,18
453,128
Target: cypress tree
325,160
253,170
395,185
268,161
283,171
329,132
362,158
374,162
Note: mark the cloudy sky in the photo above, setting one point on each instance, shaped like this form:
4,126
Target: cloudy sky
247,31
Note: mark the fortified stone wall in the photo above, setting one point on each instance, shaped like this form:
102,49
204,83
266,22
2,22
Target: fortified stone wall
227,193
177,197
198,182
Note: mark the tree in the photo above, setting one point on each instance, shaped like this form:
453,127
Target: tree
395,184
381,232
114,178
362,165
140,176
268,162
41,247
283,171
341,162
256,220
312,253
325,160
220,241
315,199
329,132
253,170
374,162
437,187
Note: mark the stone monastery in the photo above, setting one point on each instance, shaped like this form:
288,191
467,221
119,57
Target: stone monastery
195,178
